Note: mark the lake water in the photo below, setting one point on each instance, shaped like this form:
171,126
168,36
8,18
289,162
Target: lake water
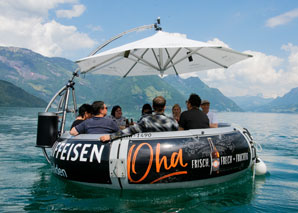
27,184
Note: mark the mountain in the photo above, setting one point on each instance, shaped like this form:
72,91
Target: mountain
43,77
130,92
250,103
11,95
190,85
285,104
36,74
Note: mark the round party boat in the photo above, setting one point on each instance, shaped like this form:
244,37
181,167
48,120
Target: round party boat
148,160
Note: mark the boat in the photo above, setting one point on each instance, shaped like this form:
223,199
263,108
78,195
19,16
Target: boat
149,160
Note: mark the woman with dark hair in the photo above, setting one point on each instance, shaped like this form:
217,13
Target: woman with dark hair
85,112
116,115
146,110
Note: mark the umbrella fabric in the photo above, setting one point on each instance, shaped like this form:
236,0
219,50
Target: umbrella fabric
162,53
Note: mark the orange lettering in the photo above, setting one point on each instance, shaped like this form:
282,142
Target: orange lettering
134,162
176,158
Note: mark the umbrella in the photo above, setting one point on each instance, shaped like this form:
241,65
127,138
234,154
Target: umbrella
159,54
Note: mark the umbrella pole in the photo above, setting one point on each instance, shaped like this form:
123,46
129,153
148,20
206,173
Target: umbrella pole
145,27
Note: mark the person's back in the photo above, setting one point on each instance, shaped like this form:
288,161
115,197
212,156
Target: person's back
97,124
157,122
193,118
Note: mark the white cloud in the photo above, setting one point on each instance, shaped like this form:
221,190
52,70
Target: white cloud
94,28
76,11
218,42
30,8
282,19
36,32
292,63
266,74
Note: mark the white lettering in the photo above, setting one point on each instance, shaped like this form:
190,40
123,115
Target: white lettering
200,163
225,160
64,151
79,151
241,157
60,172
97,154
60,149
69,151
56,148
83,152
76,152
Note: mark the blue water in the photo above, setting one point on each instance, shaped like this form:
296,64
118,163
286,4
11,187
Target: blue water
27,184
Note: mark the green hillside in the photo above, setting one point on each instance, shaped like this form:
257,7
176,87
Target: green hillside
44,76
11,95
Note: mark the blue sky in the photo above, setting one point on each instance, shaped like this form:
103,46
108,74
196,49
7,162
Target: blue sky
266,29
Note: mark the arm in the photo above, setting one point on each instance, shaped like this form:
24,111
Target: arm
215,125
125,132
73,131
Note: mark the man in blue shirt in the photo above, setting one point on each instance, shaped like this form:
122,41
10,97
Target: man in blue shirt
97,124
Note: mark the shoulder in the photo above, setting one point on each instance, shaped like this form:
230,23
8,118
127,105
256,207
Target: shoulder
110,117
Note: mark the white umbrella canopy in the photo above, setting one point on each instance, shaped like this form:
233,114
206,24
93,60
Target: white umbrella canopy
159,54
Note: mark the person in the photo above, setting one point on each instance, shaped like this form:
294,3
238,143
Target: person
146,110
98,124
176,112
85,112
193,118
116,115
205,105
157,122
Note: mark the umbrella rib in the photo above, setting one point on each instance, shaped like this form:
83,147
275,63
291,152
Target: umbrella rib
232,51
135,63
170,60
209,59
156,58
145,61
186,56
160,57
94,66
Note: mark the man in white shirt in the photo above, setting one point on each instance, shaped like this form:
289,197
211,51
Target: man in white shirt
205,105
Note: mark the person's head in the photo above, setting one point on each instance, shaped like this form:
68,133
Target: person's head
147,109
205,106
116,111
194,101
176,109
99,108
85,111
159,104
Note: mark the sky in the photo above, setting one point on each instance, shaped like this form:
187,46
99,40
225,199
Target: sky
266,29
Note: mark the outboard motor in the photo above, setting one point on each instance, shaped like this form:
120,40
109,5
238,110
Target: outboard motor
47,129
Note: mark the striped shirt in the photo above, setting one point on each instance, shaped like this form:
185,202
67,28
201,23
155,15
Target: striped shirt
157,122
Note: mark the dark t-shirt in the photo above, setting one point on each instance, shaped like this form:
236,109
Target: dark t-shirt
97,125
75,123
193,119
